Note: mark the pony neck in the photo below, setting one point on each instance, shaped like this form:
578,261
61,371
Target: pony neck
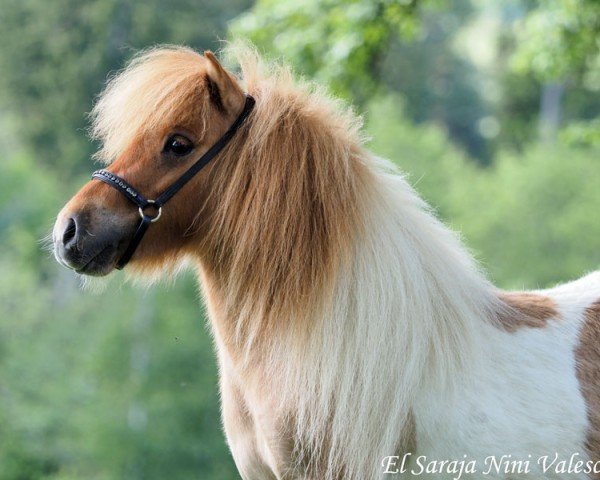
402,313
331,286
438,301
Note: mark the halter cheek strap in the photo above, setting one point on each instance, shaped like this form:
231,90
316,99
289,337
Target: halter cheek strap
143,203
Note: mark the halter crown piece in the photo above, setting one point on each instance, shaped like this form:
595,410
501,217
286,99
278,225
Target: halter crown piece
143,203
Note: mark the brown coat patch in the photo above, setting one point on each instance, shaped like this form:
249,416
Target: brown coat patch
525,310
588,373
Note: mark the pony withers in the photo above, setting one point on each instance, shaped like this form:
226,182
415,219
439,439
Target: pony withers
351,326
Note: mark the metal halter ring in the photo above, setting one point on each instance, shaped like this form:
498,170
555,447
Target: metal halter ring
144,216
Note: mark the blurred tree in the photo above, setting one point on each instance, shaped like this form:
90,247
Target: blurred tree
531,218
558,42
55,57
559,39
337,42
536,220
438,83
433,164
361,48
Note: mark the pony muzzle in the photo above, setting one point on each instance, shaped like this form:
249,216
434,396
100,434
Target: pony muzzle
87,249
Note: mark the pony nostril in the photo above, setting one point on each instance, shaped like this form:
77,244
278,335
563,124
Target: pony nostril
70,233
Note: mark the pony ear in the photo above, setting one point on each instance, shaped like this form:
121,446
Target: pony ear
223,89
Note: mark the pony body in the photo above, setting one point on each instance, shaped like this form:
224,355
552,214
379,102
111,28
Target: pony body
350,324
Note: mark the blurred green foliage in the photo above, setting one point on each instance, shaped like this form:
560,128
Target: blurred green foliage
336,42
559,38
531,218
55,57
122,383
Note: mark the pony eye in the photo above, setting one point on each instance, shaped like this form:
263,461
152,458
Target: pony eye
178,145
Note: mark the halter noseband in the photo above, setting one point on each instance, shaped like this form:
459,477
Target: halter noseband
143,203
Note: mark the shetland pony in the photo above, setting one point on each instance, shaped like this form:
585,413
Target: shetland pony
353,330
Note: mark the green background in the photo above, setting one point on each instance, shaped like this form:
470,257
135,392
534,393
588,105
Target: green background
491,108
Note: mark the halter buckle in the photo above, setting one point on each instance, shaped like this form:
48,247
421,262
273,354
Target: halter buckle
148,204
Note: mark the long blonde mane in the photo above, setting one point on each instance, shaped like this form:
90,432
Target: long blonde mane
289,205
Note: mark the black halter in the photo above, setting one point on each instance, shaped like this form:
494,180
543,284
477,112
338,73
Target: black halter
143,203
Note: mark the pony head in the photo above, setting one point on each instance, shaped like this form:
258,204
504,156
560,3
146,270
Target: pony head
153,121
